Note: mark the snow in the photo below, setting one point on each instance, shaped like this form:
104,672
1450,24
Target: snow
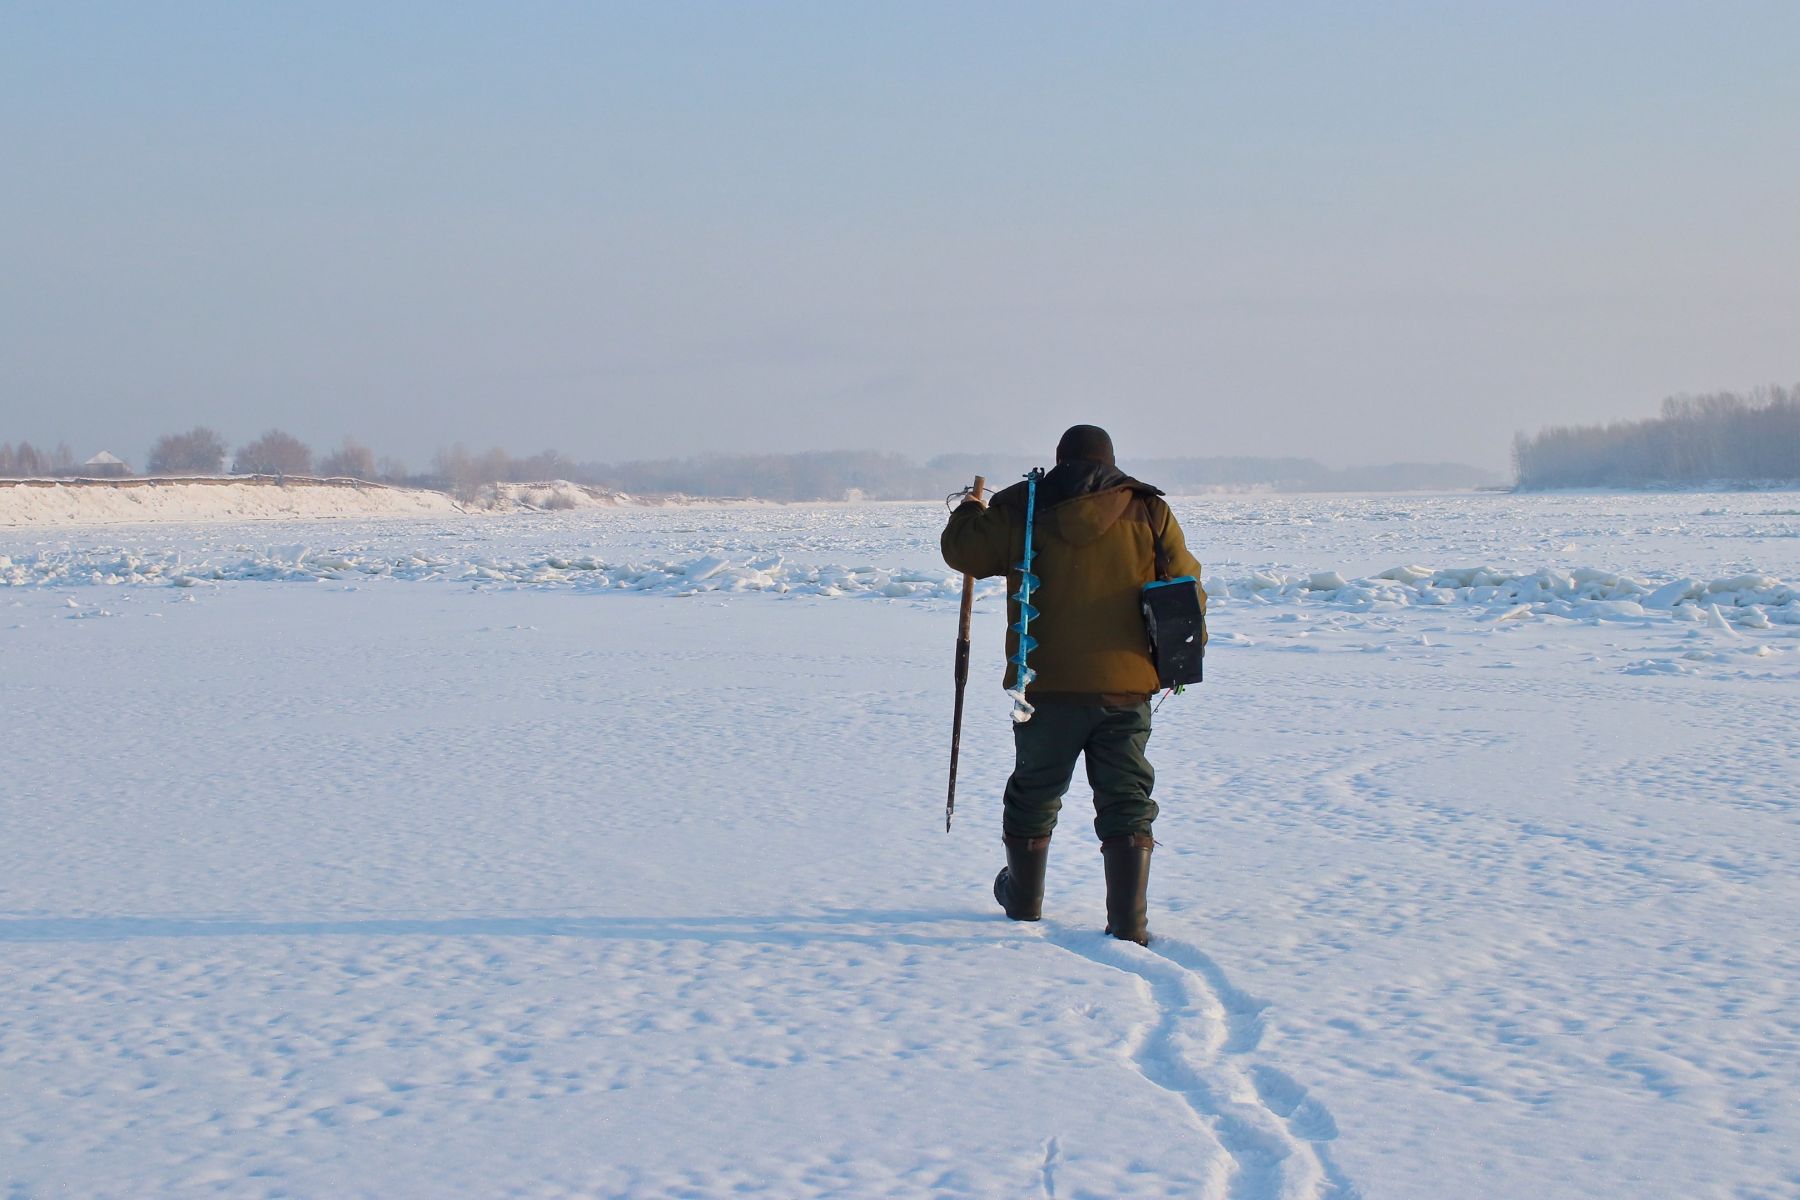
601,853
46,504
557,494
1750,601
89,502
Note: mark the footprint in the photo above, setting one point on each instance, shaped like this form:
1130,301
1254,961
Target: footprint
1279,1090
1284,1096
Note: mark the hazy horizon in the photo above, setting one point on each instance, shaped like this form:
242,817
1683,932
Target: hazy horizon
631,232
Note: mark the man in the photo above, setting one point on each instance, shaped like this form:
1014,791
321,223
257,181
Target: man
1096,538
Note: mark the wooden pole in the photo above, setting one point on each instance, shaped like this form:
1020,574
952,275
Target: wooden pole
962,666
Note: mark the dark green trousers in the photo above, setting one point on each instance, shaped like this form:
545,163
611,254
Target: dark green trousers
1045,749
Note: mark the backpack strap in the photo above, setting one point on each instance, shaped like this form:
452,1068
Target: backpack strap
1156,538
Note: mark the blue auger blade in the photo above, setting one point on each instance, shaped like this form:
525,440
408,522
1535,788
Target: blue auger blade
1028,583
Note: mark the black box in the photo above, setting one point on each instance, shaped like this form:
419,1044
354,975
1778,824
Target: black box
1175,616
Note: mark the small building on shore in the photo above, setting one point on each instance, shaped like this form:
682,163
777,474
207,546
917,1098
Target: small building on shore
105,465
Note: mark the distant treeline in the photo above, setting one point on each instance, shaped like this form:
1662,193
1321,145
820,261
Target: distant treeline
202,451
26,459
809,475
1722,438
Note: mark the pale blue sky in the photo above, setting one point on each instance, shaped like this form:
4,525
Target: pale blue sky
1360,233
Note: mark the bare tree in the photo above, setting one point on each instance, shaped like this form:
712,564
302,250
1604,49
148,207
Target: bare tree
453,470
274,453
199,451
493,465
8,461
27,460
391,470
351,461
540,467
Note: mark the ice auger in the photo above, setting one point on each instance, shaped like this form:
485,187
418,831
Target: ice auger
1028,583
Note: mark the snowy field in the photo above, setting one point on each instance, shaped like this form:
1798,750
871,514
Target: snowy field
602,854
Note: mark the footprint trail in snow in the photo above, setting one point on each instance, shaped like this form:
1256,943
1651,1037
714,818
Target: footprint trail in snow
1198,1045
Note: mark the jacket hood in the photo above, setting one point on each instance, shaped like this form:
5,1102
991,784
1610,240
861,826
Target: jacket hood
1084,499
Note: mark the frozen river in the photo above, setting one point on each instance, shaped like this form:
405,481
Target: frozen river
601,854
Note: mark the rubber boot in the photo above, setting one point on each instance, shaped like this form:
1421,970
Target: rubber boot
1127,886
1019,887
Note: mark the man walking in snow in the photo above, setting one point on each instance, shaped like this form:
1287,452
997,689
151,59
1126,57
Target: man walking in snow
1096,536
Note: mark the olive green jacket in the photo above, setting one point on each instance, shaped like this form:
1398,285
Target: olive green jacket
1095,552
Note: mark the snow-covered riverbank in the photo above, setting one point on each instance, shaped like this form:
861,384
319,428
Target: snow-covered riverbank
53,504
49,504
